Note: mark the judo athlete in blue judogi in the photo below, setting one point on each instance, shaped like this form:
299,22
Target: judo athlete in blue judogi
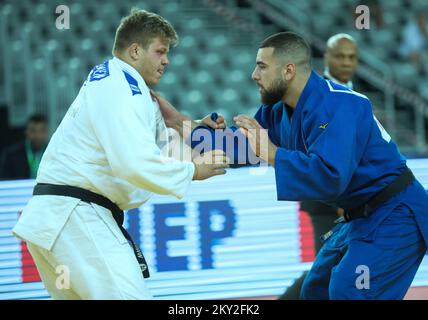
325,144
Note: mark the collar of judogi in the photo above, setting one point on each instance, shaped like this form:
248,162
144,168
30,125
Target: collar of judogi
131,70
311,85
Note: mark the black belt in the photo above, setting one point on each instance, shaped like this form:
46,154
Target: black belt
91,197
397,186
365,210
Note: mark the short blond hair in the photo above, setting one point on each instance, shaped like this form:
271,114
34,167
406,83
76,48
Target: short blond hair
141,27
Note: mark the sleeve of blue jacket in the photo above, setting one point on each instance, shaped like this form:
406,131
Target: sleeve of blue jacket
269,117
332,153
230,140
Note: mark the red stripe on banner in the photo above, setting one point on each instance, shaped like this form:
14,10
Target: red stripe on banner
306,236
28,267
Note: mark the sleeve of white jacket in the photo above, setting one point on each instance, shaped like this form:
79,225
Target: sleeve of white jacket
124,129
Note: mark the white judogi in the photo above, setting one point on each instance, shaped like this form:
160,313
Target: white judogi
109,143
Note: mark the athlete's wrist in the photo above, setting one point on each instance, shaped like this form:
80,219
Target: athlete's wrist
272,154
195,172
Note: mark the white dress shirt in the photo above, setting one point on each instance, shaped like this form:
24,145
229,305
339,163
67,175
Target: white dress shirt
328,75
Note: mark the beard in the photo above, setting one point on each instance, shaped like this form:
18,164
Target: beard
275,93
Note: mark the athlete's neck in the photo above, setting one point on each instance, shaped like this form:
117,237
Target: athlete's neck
295,88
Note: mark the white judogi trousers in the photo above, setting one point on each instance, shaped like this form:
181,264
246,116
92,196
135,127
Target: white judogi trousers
98,259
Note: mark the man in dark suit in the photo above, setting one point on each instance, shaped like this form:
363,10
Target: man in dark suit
340,59
21,160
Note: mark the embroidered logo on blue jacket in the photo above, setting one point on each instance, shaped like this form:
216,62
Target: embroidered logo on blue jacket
99,72
133,84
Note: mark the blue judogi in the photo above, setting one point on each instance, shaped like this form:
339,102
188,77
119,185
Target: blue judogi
332,148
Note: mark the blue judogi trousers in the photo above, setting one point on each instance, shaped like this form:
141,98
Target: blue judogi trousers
379,263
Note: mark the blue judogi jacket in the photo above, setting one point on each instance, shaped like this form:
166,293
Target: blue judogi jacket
331,149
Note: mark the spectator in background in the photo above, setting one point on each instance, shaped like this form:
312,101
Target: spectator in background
341,59
415,38
376,12
21,160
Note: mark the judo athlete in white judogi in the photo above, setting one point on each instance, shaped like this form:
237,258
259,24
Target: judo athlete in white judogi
106,157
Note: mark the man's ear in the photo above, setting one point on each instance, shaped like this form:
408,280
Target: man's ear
134,51
289,71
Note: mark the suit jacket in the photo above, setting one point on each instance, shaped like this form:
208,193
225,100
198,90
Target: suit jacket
13,163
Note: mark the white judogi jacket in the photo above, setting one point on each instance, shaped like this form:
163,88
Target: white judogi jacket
109,142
